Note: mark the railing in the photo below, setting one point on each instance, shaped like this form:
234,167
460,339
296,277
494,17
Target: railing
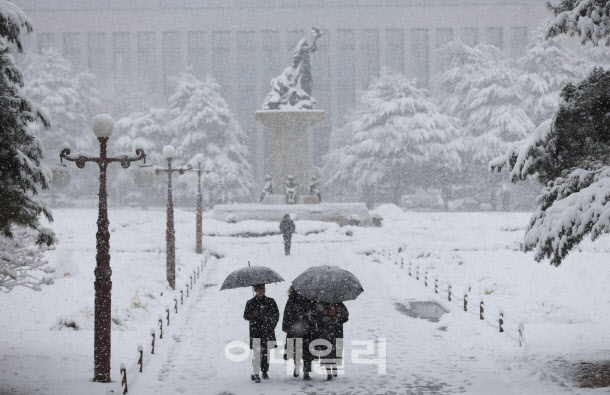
145,354
447,288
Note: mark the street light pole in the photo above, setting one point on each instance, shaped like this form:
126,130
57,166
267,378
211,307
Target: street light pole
103,126
170,234
199,231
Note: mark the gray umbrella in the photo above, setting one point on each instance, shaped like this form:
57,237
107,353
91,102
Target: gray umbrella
251,276
329,284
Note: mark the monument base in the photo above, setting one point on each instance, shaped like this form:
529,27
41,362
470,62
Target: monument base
340,213
283,199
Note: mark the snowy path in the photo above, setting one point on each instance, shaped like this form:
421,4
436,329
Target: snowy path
422,356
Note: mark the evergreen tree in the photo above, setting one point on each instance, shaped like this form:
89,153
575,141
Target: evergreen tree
545,68
587,19
21,174
195,120
481,89
400,140
570,155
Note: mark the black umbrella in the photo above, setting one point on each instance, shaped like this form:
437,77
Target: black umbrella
329,284
251,276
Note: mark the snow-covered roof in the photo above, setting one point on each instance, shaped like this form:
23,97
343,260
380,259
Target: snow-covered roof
43,5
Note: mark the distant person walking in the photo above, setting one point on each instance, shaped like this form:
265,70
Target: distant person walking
263,314
287,228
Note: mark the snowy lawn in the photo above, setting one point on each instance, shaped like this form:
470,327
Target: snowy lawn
564,310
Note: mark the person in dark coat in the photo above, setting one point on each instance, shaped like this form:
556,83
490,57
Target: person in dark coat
330,318
263,314
300,328
287,228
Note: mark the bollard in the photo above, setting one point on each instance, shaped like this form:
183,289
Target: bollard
409,269
436,285
426,279
152,333
417,273
198,273
141,360
167,311
187,290
160,327
181,297
449,293
176,305
124,378
501,322
482,311
521,334
191,277
402,263
465,302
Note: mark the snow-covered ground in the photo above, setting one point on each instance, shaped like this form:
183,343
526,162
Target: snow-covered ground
564,310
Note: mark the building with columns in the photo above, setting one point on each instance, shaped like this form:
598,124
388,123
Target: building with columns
244,43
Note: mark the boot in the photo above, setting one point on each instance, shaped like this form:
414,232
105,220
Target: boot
306,376
329,375
296,373
256,378
335,371
265,376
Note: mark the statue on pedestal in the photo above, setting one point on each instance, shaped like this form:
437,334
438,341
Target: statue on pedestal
314,188
268,188
291,190
292,89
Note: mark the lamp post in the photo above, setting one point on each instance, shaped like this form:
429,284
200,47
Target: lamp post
170,234
199,222
103,126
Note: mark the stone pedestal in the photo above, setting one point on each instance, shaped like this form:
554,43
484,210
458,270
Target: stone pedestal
291,146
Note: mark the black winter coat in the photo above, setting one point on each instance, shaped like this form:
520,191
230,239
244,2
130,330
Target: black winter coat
330,319
262,326
298,319
287,227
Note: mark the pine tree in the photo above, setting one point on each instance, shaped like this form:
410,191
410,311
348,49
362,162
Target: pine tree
545,68
569,154
21,174
400,140
588,19
202,122
195,120
481,89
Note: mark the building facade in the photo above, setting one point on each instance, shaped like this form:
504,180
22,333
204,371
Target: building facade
244,43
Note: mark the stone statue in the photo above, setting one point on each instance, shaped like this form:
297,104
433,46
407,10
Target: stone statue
268,188
292,89
291,190
314,188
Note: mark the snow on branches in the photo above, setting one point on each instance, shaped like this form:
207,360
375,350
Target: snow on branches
588,19
570,154
399,138
21,263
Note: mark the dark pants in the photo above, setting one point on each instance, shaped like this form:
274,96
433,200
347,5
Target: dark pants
287,243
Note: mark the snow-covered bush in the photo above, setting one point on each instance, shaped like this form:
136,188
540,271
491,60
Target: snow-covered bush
588,19
22,263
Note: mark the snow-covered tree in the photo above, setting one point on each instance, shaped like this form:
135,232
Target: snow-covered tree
569,154
480,88
545,68
400,140
66,97
587,19
21,263
195,120
21,173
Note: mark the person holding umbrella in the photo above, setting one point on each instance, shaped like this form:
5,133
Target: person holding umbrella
329,286
300,328
263,315
261,312
330,318
287,228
